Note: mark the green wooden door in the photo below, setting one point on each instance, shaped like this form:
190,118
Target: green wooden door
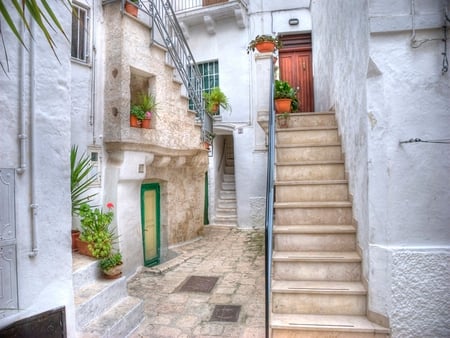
150,199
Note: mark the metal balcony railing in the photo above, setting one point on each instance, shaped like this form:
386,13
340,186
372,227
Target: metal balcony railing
186,5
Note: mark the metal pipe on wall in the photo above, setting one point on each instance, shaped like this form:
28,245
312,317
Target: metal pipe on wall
22,136
33,206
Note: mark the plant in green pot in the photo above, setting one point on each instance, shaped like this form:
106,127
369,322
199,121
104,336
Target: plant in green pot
111,266
214,99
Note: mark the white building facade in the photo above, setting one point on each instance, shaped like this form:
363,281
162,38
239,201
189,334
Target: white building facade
377,64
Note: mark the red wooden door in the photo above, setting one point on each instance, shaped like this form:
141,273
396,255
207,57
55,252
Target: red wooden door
296,68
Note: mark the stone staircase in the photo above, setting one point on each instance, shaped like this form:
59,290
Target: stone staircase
226,203
102,307
316,281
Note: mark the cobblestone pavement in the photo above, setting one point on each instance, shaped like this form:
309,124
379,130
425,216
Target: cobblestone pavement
236,257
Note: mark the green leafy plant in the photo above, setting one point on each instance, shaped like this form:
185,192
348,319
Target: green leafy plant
283,90
42,14
145,107
81,177
215,98
111,261
95,229
137,111
148,105
263,38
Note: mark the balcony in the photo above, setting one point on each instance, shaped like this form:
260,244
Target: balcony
207,12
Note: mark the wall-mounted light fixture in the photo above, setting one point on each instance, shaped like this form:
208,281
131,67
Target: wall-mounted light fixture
293,22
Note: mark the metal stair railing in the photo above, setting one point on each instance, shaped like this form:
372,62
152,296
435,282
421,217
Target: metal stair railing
164,20
269,204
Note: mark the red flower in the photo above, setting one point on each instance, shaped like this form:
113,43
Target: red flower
109,205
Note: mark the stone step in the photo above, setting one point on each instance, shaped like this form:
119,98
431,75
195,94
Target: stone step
310,170
320,265
321,213
229,161
314,238
227,195
93,299
318,297
323,119
228,186
302,191
118,321
226,204
226,212
307,136
308,152
85,270
228,178
228,170
319,326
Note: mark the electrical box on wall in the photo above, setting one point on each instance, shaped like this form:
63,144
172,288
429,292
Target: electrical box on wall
95,156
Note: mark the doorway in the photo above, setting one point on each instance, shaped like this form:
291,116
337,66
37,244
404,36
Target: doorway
150,220
296,68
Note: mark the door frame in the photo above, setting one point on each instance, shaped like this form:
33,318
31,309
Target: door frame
144,188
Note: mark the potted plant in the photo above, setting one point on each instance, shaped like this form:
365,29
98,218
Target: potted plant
96,238
264,44
214,99
81,177
111,266
148,105
284,95
132,7
137,114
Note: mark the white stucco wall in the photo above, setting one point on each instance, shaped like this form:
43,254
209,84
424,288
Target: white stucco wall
408,214
401,191
45,280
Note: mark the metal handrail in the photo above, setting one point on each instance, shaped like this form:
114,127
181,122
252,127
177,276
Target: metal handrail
165,21
269,202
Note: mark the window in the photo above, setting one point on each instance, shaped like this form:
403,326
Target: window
80,26
210,76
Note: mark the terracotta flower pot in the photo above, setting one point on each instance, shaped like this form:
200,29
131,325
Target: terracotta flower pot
83,248
265,47
146,123
114,272
131,9
134,122
75,236
283,105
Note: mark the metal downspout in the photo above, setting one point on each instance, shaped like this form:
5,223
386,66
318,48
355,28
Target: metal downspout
33,206
22,136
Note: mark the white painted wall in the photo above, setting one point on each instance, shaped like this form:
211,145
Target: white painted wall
384,91
45,280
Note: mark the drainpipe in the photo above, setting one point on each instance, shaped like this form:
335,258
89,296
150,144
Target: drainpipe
33,205
22,136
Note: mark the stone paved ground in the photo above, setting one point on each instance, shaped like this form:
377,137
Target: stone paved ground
236,257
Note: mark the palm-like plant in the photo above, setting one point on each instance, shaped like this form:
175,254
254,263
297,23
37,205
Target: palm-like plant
80,179
42,15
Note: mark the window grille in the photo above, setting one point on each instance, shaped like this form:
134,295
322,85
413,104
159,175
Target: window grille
210,76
